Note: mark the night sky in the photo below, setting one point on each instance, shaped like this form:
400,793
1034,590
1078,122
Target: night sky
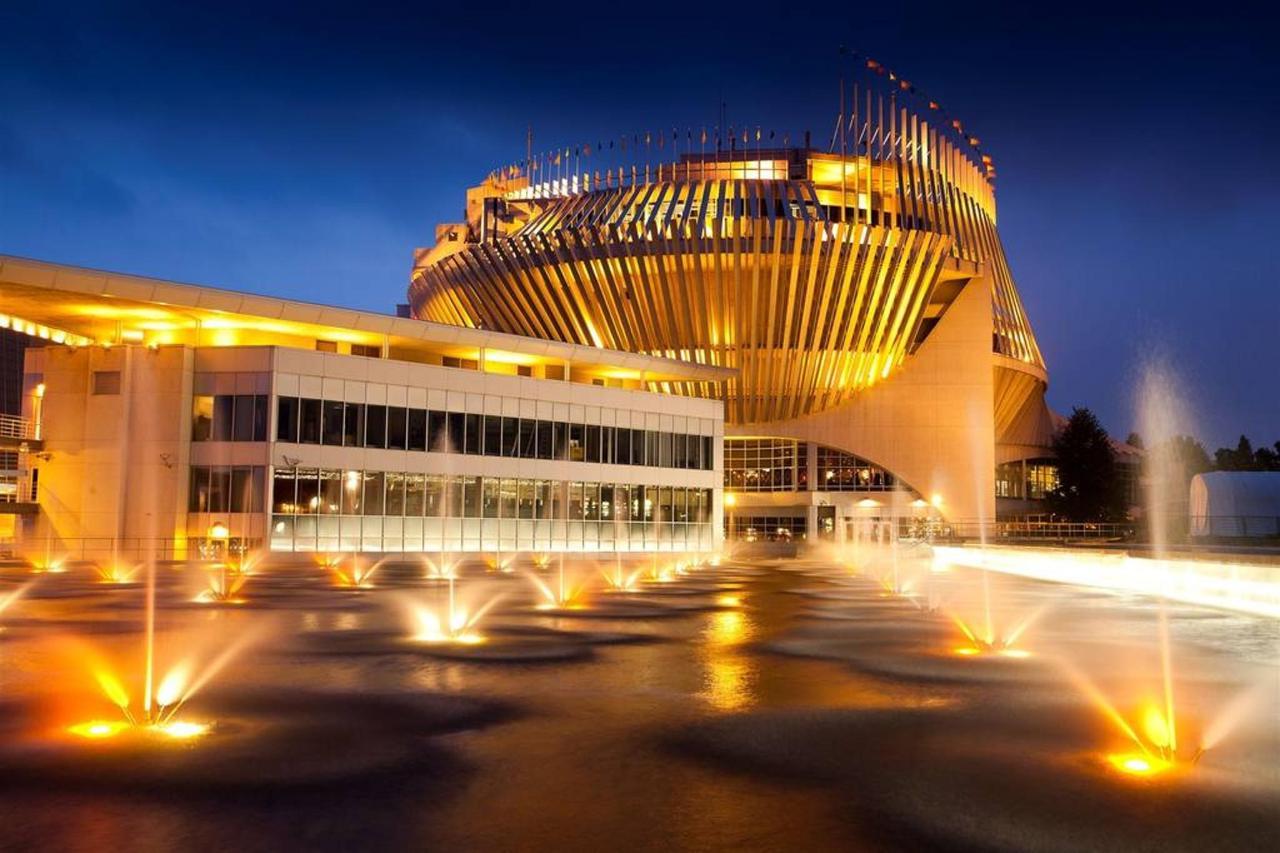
306,151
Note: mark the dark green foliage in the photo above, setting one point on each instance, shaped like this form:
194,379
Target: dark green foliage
1088,488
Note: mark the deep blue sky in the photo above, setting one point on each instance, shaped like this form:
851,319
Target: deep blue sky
305,151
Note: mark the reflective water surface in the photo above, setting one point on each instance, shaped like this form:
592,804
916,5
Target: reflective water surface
796,705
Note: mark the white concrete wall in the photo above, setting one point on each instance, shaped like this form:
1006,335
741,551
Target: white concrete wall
930,423
117,464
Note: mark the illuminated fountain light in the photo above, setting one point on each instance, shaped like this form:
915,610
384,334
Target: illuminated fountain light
566,590
117,573
619,580
224,586
353,573
162,700
455,621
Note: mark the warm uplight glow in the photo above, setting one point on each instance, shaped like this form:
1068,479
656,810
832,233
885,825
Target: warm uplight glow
104,729
455,620
354,574
218,531
1138,764
730,499
116,573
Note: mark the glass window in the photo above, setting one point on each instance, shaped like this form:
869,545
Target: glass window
637,447
528,438
308,490
373,492
651,448
241,498
202,418
606,502
330,502
332,434
576,509
417,430
223,417
510,436
622,502
284,491
664,450
352,493
606,444
287,419
489,507
507,497
433,496
622,436
219,488
353,426
414,494
546,441
457,433
106,382
260,402
708,454
593,443
242,420
397,427
541,499
591,501
527,505
470,497
375,426
473,436
577,442
492,435
453,497
199,498
560,433
437,431
309,421
395,493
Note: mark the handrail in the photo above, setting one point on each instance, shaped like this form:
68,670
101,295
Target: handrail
13,426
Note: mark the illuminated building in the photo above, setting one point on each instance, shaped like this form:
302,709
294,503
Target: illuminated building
881,353
167,415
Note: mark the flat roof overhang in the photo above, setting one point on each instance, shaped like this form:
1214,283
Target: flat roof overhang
83,306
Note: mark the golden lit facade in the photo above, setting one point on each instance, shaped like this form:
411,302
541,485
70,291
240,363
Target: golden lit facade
818,277
191,419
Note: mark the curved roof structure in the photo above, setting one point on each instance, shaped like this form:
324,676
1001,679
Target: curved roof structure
815,275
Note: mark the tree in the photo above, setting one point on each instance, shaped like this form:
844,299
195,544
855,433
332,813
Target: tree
1181,454
1134,440
1088,488
1238,459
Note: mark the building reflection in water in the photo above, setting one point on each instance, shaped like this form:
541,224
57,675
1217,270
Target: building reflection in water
731,677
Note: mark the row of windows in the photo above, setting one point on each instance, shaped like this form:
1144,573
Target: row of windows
332,422
323,491
228,417
782,465
227,488
765,465
376,533
765,528
843,472
1030,479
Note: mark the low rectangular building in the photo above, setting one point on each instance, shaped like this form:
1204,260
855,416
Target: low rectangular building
172,415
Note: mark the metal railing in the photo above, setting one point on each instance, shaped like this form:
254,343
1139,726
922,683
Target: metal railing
15,490
12,426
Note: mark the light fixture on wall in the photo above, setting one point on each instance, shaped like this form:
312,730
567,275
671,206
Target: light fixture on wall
166,459
290,461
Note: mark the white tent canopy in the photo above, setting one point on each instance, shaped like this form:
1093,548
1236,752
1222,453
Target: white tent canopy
1235,503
